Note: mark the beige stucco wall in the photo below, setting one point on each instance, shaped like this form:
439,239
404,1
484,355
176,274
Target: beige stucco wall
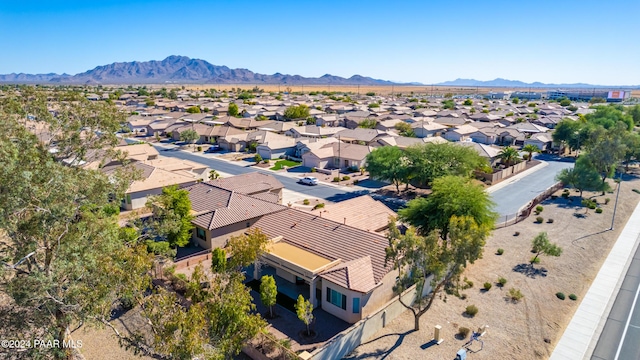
346,315
380,295
219,237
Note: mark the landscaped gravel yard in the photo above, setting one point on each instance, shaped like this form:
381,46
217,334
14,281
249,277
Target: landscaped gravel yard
531,328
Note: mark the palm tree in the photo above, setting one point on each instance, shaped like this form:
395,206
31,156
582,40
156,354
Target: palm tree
530,148
509,156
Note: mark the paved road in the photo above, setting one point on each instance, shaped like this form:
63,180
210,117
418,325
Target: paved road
508,199
512,197
327,192
614,338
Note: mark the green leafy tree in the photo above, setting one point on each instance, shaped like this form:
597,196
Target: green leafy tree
609,116
388,163
405,129
530,149
565,102
189,136
245,249
451,196
217,324
368,124
193,110
268,292
509,156
634,112
62,258
542,246
583,177
296,112
632,144
430,161
606,149
304,310
448,104
443,258
172,216
468,102
218,260
233,109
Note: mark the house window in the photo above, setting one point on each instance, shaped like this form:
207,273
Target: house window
356,305
337,299
248,224
201,234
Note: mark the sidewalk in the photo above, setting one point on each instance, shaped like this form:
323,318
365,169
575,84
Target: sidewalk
581,335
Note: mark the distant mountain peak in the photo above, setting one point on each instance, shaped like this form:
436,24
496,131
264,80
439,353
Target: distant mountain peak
500,82
182,69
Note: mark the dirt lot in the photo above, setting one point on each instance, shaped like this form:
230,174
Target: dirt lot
531,328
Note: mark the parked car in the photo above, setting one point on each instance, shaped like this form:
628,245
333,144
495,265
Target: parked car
213,148
309,180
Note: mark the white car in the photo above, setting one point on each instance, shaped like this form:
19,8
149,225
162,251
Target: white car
309,180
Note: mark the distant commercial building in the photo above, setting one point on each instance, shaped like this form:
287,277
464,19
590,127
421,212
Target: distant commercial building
526,95
588,94
502,95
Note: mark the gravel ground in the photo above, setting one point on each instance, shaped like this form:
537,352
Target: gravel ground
531,328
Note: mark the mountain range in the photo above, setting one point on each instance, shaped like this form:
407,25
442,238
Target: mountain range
499,82
184,70
181,70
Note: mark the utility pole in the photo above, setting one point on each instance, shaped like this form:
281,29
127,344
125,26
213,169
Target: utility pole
615,206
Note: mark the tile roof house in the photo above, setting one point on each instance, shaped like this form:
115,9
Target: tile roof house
336,155
343,266
252,183
362,212
359,135
220,214
274,146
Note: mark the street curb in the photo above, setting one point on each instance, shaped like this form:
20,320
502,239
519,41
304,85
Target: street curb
581,335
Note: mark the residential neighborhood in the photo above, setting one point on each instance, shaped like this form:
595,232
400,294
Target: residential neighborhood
239,161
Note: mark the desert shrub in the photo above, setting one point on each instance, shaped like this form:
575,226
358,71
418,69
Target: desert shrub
463,332
500,251
515,295
336,179
487,286
565,195
356,181
305,201
517,233
550,221
553,197
560,295
606,201
266,161
471,310
573,297
539,209
502,281
257,158
467,284
345,178
313,170
592,206
535,260
599,210
199,148
318,206
539,219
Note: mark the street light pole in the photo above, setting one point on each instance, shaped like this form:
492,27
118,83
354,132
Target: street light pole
615,206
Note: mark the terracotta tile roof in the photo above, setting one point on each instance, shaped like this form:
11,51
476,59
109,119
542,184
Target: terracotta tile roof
362,212
216,207
354,275
249,183
327,238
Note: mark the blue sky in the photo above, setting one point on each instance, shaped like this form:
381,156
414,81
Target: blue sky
427,41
